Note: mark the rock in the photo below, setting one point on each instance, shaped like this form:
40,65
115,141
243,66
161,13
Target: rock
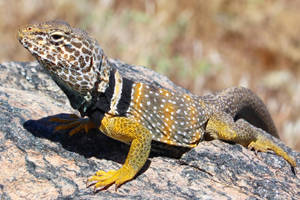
38,163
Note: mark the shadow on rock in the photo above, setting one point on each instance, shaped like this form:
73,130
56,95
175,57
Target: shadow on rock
93,144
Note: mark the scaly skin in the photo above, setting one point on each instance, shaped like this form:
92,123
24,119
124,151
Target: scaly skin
137,113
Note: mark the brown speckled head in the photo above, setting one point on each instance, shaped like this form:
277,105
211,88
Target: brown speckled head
67,53
74,60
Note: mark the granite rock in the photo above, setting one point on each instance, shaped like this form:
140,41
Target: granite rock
38,163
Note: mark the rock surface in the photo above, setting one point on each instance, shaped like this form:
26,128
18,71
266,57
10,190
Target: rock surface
38,163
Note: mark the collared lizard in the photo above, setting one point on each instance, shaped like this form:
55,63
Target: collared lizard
135,112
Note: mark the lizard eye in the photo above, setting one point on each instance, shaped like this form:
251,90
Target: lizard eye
56,36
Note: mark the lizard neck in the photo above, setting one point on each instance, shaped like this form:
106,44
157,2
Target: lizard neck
77,100
111,94
82,100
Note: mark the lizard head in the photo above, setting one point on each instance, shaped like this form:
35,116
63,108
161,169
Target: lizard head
74,60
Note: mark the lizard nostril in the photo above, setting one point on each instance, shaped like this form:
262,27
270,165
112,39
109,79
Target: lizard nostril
29,28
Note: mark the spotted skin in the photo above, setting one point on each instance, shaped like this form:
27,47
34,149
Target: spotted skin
170,117
72,59
135,112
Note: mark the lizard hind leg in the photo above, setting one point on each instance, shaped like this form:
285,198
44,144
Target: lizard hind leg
223,127
264,144
74,123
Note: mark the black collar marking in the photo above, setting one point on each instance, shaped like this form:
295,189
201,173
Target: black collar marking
101,101
125,99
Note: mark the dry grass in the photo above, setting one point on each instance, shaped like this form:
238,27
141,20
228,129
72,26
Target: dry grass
201,45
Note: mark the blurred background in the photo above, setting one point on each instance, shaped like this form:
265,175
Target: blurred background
200,45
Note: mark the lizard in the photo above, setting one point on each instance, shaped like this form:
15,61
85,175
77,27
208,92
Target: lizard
138,113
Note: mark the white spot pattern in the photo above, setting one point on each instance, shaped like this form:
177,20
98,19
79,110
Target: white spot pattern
174,119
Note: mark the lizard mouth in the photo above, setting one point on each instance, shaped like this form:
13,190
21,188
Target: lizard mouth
23,36
20,36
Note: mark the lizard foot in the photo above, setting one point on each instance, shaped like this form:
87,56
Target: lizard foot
105,179
75,123
263,144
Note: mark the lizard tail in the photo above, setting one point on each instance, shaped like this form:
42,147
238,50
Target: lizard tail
241,102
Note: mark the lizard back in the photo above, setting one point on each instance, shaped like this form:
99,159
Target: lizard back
172,118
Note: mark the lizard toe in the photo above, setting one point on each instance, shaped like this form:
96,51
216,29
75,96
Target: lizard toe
104,179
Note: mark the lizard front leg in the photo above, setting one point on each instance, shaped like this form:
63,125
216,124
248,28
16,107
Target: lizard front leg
128,131
222,126
75,123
